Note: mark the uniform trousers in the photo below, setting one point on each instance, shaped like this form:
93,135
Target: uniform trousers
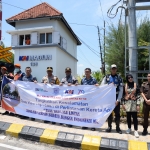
146,110
117,117
135,121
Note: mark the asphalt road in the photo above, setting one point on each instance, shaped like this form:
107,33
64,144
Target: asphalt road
10,143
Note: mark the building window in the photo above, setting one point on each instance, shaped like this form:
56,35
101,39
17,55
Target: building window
42,38
45,38
27,39
48,37
24,39
21,39
61,41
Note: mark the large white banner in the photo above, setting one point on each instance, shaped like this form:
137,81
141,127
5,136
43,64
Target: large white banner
82,105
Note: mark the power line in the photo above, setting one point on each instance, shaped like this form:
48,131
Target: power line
92,50
13,5
109,12
86,58
101,9
84,24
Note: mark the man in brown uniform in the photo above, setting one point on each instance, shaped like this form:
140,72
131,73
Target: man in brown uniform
145,92
50,79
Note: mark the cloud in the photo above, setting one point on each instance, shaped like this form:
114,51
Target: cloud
80,65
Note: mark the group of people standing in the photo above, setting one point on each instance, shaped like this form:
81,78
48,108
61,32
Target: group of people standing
130,98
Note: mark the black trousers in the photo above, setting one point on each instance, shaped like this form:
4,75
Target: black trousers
146,110
135,121
117,117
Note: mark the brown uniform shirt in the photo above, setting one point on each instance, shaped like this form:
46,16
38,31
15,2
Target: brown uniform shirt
52,79
145,88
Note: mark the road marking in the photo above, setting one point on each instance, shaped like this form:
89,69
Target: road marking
11,147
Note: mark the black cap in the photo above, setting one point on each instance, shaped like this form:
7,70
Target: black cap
50,68
68,69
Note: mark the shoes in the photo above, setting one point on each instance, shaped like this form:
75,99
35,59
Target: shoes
128,131
118,130
46,121
68,125
93,129
136,134
84,128
6,113
11,114
24,117
108,129
144,133
33,119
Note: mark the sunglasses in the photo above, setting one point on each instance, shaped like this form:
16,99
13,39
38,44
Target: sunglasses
130,77
148,76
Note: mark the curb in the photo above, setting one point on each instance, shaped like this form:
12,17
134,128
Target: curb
71,140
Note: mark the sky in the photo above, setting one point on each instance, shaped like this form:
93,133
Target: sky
86,12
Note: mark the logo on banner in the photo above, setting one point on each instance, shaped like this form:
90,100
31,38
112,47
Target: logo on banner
81,91
56,90
41,90
69,91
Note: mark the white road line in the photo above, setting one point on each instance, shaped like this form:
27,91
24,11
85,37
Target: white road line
11,147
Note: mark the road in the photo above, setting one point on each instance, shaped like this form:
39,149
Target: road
11,143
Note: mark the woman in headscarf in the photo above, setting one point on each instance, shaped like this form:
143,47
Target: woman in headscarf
131,104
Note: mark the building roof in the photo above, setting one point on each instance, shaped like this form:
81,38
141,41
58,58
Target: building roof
43,10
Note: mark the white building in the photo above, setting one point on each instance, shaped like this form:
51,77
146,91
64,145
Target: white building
42,38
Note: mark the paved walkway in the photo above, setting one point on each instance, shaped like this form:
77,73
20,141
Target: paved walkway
99,132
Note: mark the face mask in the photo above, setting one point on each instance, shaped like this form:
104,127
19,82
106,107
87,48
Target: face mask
16,70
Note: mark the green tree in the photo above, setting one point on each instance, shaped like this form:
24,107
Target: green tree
6,89
115,47
98,76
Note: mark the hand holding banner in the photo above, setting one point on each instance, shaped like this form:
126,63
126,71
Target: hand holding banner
82,105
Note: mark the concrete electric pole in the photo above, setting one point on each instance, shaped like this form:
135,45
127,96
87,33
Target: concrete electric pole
133,64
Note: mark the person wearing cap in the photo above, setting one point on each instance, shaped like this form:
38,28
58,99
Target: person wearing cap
68,80
50,79
116,80
88,80
17,72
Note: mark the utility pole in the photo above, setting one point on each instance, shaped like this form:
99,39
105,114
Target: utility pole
104,47
101,56
132,39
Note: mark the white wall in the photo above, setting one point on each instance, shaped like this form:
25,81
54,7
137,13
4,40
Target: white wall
40,70
63,61
35,23
58,27
60,60
71,42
